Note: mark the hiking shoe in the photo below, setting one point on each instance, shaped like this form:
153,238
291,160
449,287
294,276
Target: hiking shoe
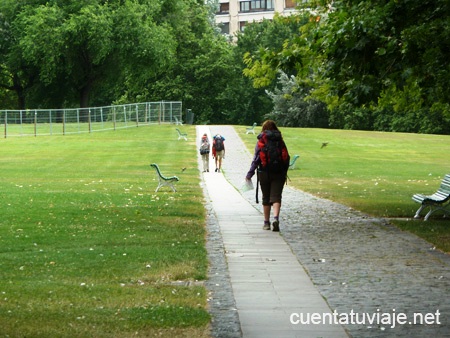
276,226
266,226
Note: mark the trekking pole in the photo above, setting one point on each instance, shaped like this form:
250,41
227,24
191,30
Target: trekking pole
257,185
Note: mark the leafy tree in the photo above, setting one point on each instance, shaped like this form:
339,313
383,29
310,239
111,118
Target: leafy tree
148,48
96,52
7,97
203,75
15,77
376,64
259,47
293,109
67,51
267,49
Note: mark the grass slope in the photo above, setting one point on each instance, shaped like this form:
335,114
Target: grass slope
88,249
374,172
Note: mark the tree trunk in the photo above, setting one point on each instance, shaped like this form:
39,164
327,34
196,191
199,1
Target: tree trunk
84,101
17,87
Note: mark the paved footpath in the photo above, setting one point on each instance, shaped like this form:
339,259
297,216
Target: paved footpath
327,257
268,282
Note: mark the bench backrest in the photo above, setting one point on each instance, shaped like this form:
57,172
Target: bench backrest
160,175
154,165
445,185
294,158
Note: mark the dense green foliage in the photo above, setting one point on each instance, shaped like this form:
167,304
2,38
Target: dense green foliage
378,65
56,54
372,65
292,105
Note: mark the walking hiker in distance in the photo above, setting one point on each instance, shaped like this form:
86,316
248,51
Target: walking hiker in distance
218,149
271,160
204,152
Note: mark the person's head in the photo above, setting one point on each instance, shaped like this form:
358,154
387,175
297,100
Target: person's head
269,125
205,135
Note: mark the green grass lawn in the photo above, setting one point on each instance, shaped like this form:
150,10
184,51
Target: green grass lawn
374,172
87,249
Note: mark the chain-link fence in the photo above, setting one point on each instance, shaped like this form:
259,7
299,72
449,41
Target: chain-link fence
34,122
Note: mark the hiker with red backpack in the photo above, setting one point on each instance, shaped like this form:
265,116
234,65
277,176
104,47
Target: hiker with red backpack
218,150
271,160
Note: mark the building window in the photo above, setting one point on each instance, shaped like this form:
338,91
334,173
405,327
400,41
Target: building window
245,6
242,25
256,5
225,27
224,8
289,4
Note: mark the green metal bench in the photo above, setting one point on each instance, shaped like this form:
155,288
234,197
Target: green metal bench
292,162
181,135
440,200
178,122
251,129
164,181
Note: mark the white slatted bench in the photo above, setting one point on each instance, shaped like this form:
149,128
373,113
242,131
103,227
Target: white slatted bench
293,160
178,122
181,135
440,200
164,181
251,129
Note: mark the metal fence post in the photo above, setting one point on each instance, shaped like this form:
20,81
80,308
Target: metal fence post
146,113
21,121
114,118
137,116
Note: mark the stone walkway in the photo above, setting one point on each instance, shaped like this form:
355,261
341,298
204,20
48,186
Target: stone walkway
365,268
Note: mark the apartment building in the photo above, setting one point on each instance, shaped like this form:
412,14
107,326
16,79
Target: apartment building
233,15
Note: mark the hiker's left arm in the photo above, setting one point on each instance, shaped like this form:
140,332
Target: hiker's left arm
254,165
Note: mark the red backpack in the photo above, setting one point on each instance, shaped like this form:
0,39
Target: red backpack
273,152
